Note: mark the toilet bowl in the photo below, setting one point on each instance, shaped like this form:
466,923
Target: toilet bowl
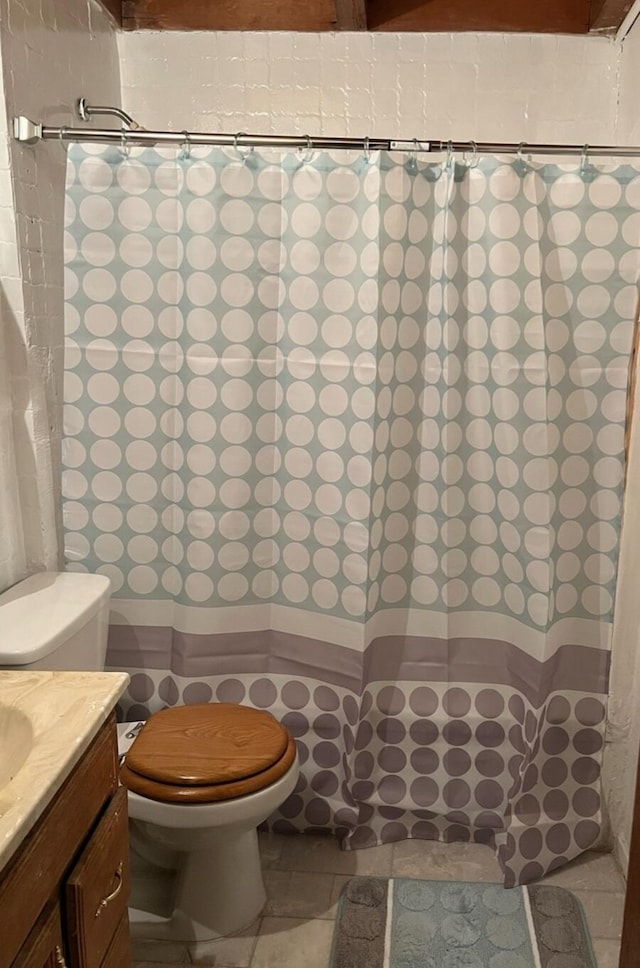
214,848
200,779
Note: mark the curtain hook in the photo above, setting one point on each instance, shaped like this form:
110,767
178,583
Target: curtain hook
62,134
449,157
125,147
242,155
308,154
367,150
584,159
185,148
474,158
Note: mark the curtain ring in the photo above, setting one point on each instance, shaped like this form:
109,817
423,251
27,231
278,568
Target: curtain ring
62,135
125,147
584,161
308,154
449,157
185,148
474,158
367,150
242,154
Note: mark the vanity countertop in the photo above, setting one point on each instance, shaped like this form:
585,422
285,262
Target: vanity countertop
47,721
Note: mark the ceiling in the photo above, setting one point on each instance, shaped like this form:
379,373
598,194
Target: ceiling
524,16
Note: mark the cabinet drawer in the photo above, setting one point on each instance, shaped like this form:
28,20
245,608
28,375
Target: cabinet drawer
98,887
43,947
119,953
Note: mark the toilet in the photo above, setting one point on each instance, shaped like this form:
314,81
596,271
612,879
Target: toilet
200,778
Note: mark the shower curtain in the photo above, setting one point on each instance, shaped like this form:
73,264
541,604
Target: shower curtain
347,435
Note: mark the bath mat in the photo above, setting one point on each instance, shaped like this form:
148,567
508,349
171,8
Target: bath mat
405,923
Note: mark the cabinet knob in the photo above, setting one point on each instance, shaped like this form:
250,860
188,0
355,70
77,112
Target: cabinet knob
114,893
60,962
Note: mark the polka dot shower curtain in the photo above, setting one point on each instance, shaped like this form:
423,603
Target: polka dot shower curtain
347,435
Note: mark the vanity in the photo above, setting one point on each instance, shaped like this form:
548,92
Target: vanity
64,869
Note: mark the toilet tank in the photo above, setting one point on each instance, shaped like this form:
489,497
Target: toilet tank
55,620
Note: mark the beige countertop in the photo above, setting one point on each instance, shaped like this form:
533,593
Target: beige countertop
47,721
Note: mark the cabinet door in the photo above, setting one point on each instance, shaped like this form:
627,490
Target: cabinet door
98,887
43,947
119,953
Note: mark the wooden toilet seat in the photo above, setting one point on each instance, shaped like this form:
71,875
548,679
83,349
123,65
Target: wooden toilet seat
207,752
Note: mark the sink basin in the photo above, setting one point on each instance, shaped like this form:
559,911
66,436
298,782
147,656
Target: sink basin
16,742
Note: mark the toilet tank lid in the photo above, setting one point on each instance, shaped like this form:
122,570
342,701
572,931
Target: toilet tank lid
42,611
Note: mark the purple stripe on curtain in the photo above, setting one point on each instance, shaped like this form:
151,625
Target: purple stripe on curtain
388,658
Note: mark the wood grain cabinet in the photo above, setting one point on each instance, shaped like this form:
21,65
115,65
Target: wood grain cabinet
63,895
44,946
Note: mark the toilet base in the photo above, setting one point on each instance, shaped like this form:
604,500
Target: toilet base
219,892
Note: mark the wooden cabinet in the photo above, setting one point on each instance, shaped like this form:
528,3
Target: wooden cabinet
63,895
43,948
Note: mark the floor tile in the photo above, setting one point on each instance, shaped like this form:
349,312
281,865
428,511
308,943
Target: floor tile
160,952
339,882
270,847
305,875
319,854
233,952
607,952
445,862
588,872
291,942
162,964
298,894
604,911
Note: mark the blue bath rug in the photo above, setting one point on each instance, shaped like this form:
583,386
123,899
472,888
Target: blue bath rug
405,923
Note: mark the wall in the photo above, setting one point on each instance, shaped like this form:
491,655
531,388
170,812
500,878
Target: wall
52,53
628,121
482,86
624,708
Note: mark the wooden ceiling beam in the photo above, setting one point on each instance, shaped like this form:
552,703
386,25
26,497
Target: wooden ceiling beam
314,15
607,15
525,16
538,16
351,14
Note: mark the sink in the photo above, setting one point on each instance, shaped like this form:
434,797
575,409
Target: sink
16,742
47,721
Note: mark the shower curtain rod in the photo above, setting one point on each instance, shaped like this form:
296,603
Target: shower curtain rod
31,132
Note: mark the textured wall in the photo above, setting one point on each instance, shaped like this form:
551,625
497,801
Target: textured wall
624,709
629,89
52,53
482,86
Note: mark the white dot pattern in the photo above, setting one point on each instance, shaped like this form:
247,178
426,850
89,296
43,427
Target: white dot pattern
348,386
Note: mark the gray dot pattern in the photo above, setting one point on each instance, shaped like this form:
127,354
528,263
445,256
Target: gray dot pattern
393,764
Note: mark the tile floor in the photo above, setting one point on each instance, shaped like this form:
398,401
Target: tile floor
304,876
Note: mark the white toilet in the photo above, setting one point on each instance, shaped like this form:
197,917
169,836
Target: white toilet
194,803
